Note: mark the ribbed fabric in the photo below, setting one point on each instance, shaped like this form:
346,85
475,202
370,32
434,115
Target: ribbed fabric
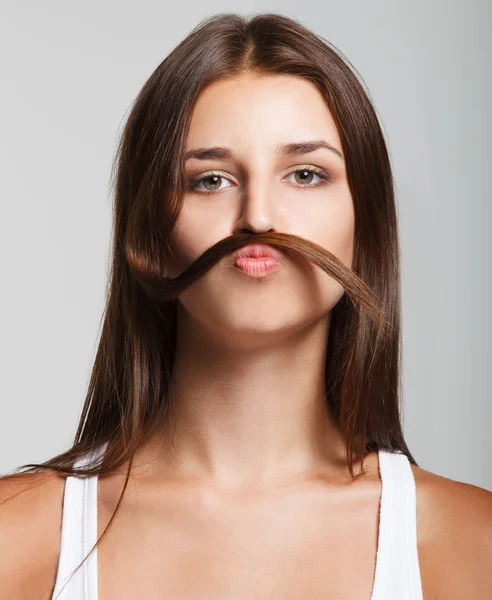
78,535
397,574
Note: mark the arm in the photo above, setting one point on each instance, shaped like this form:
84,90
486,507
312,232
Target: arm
454,523
30,526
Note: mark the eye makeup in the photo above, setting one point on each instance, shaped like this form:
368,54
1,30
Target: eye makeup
324,178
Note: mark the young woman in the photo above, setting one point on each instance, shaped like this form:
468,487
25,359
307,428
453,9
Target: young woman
241,436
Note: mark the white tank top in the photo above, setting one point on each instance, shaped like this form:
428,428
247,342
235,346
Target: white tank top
397,573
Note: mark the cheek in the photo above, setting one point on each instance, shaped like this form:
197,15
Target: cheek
194,231
340,236
330,224
332,227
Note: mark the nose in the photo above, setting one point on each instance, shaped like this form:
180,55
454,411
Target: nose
257,210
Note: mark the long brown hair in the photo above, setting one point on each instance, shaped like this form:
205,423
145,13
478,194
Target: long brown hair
129,393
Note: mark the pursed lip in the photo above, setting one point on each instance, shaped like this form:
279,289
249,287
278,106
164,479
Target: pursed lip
257,251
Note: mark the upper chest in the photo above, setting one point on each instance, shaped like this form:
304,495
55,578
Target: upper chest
306,542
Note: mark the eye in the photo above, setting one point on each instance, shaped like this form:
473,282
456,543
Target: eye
306,175
213,178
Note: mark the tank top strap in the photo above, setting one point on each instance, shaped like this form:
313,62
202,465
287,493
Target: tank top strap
397,565
78,536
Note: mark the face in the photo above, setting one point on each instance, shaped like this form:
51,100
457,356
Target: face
257,189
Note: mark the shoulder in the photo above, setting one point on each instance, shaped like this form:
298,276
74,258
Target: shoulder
454,529
31,507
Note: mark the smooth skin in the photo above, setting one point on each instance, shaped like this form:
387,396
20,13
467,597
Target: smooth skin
252,500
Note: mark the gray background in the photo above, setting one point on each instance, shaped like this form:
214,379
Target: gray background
69,72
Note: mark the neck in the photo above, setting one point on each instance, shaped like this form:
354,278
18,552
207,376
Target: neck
250,413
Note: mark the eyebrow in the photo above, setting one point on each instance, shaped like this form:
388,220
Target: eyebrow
293,148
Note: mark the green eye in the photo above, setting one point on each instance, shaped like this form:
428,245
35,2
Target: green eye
212,180
309,173
212,176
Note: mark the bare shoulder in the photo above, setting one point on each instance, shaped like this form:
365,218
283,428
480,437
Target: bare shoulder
31,507
454,528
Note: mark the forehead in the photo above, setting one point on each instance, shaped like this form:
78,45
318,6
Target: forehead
260,112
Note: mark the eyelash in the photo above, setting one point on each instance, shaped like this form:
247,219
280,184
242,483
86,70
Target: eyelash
324,176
